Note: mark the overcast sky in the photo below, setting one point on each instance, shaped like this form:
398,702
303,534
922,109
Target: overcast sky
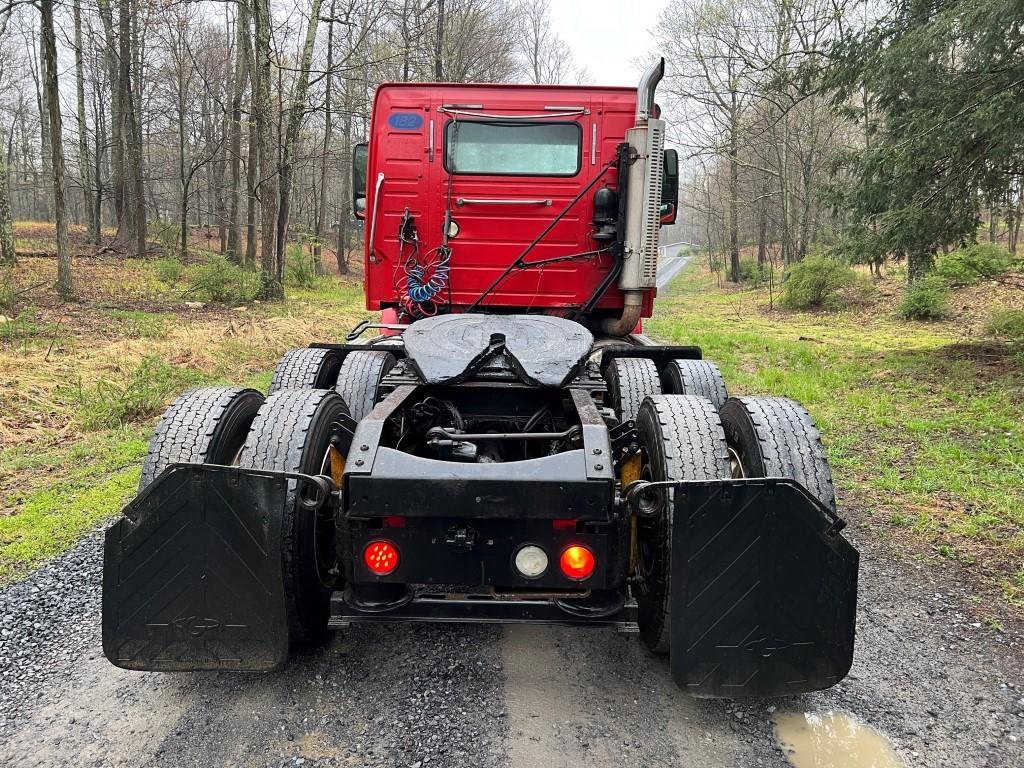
605,35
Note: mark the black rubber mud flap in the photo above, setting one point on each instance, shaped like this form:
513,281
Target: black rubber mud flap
764,590
192,573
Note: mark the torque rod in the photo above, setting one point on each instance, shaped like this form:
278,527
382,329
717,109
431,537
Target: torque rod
447,434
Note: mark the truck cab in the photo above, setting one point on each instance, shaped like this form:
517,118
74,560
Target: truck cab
459,182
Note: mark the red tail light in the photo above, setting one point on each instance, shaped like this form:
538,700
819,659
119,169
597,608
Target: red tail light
577,562
381,557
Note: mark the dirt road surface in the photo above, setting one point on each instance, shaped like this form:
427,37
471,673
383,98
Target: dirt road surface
945,689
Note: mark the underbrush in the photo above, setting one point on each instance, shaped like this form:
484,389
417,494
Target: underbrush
222,282
300,268
1007,326
972,264
168,271
925,299
7,294
143,393
816,282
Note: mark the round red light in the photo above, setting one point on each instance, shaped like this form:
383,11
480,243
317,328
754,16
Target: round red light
381,557
577,562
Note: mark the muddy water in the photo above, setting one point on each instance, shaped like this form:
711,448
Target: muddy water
832,740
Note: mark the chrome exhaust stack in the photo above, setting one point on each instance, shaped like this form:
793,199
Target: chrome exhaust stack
643,202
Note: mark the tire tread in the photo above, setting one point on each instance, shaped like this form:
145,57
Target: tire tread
191,425
303,368
789,441
359,378
630,380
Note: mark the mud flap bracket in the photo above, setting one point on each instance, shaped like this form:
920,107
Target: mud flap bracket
763,590
192,571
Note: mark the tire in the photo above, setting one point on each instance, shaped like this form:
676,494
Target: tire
292,433
776,437
203,426
630,380
360,377
306,368
681,438
695,377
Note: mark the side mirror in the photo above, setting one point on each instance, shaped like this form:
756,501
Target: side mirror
360,155
670,187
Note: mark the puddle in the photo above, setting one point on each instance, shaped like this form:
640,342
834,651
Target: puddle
832,740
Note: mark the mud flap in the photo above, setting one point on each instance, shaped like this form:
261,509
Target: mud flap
192,573
763,590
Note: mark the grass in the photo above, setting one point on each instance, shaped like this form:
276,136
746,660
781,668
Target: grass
922,436
59,494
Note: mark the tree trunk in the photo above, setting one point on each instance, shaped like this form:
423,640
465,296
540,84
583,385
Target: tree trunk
252,202
184,177
44,124
919,263
65,289
84,166
116,128
242,31
272,285
439,43
295,113
7,256
129,226
734,194
321,212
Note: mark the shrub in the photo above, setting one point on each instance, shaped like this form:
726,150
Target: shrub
1007,325
6,291
751,271
925,299
169,271
144,393
225,283
166,233
300,268
973,263
814,282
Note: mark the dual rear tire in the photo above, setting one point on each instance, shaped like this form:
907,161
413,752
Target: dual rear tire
631,379
687,438
356,378
292,430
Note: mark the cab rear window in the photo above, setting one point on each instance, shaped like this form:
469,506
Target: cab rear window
507,148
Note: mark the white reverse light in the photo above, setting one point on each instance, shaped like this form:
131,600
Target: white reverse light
531,561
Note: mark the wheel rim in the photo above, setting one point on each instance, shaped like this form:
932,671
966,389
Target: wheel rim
736,469
646,532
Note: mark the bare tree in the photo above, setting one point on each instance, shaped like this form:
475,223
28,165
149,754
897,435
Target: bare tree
296,112
546,57
243,30
7,255
65,289
84,166
267,188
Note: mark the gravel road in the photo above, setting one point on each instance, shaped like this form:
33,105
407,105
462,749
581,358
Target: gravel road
942,686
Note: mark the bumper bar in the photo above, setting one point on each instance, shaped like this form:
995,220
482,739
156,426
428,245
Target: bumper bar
480,609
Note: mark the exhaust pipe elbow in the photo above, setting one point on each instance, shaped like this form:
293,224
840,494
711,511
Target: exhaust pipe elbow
645,91
626,322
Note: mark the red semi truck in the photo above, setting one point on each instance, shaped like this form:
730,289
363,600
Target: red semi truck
509,448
